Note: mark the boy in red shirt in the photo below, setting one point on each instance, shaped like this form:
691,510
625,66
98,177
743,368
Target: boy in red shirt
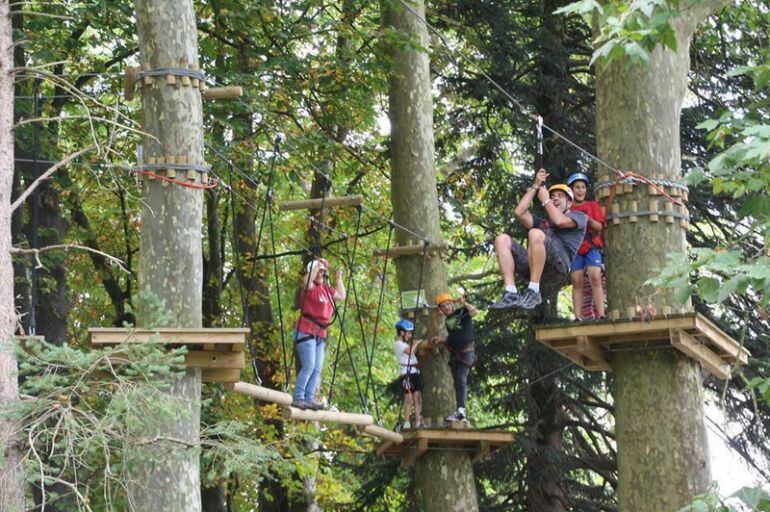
589,257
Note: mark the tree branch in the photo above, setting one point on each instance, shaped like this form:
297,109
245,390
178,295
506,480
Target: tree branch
36,252
23,196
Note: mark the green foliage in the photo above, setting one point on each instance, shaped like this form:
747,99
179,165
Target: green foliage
745,499
628,31
85,417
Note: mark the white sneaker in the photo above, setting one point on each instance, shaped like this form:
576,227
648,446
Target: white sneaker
458,415
406,425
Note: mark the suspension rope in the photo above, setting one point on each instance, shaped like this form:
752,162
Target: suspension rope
343,335
244,300
286,364
369,380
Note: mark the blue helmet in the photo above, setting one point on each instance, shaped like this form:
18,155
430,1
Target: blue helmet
578,176
404,325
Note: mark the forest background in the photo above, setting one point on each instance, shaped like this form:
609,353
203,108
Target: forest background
315,77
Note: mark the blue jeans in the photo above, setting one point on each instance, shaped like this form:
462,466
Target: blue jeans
311,359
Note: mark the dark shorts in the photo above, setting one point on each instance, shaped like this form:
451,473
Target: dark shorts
556,270
411,382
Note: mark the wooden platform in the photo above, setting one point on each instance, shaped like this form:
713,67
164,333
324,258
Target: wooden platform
219,352
589,344
479,443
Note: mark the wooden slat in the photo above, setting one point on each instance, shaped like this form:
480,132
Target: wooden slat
383,433
202,359
460,436
384,446
409,250
722,340
688,345
265,394
220,375
315,204
484,449
420,447
610,329
591,350
292,413
171,336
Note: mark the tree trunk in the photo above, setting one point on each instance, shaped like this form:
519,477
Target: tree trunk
444,479
170,260
11,477
663,458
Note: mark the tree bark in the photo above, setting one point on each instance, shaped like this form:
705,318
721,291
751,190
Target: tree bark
170,260
11,477
663,458
444,479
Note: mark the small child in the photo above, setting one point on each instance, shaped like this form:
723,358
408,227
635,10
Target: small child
589,257
411,381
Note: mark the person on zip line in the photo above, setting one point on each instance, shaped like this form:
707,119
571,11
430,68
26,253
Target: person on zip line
316,300
588,259
553,242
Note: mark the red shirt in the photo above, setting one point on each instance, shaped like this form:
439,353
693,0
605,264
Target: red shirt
592,238
318,304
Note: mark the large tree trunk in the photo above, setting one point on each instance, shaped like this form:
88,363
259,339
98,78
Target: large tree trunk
11,478
663,458
444,479
170,260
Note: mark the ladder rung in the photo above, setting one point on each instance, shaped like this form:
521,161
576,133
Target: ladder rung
315,204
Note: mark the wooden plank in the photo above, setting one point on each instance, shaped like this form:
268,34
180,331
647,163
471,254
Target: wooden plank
589,348
383,433
721,339
223,93
460,436
202,359
688,345
610,329
171,336
292,413
315,204
383,447
483,451
264,394
413,452
225,375
409,250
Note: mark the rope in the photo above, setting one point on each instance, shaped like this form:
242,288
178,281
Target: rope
286,365
35,214
343,335
192,73
244,303
370,362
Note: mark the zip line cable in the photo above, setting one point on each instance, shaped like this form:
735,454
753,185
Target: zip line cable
524,110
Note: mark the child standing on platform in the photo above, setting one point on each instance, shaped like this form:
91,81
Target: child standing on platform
411,380
588,259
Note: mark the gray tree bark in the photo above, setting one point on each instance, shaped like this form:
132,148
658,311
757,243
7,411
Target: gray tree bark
170,260
444,479
11,477
663,458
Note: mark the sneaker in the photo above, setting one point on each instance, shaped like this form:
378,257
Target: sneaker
301,404
458,415
405,425
529,299
508,300
316,406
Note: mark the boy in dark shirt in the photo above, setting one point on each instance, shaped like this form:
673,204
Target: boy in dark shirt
553,242
459,342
